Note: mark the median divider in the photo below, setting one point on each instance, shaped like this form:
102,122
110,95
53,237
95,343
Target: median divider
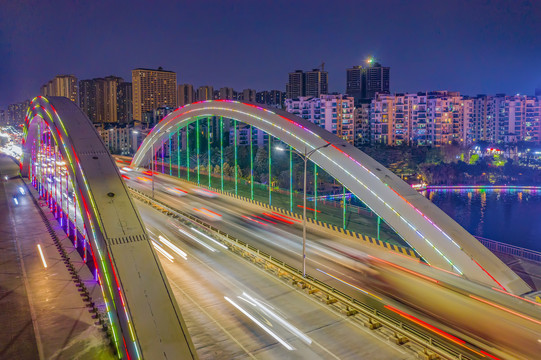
353,234
396,331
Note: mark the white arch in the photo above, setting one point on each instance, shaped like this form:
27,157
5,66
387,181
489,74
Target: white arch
144,314
426,228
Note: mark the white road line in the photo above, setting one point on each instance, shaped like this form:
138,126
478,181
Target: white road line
213,319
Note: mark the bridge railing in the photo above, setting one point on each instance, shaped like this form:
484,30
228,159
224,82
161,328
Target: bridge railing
502,248
368,315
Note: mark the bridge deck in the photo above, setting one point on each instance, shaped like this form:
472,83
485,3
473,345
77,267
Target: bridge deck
42,311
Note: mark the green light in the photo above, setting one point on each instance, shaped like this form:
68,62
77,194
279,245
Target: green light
344,207
197,145
315,191
170,168
379,222
188,152
290,179
178,153
209,168
251,166
270,168
222,151
236,170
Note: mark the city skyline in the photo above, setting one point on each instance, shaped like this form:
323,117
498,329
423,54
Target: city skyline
432,49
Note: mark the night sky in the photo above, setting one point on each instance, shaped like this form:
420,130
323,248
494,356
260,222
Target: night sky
468,46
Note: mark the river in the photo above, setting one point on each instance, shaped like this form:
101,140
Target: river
508,216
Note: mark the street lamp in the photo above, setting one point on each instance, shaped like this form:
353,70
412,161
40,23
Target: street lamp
305,157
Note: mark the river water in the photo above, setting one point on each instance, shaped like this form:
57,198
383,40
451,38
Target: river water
508,216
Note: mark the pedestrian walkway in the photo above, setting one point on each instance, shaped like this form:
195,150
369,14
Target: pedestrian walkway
43,313
17,334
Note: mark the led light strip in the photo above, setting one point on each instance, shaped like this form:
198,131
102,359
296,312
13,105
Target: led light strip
166,124
59,139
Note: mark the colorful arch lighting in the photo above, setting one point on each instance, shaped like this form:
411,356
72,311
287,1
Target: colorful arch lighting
427,229
144,317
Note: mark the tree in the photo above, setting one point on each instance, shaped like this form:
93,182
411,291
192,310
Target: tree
261,161
228,170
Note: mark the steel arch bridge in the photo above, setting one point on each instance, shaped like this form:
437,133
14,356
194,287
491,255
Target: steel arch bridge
63,154
427,229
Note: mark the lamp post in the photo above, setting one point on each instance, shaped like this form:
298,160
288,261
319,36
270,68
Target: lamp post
305,157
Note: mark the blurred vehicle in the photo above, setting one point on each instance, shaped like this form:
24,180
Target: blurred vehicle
205,192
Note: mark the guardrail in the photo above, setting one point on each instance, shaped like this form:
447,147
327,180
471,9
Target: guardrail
366,239
372,318
502,248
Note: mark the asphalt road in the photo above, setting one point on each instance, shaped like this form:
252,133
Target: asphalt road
473,317
234,309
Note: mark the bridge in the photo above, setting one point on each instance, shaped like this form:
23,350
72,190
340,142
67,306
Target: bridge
426,228
69,165
64,154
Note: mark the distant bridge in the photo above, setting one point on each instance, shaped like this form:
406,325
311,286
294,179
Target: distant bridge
427,229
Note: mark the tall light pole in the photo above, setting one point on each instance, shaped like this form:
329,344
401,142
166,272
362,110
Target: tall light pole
305,157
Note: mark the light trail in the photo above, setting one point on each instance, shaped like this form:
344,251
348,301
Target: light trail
353,286
170,245
279,218
404,269
434,329
196,240
42,257
267,330
506,309
267,220
287,217
281,320
516,296
162,251
254,220
211,239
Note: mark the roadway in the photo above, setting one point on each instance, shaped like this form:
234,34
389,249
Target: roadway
234,309
472,317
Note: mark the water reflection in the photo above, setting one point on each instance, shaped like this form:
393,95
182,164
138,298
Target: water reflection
510,216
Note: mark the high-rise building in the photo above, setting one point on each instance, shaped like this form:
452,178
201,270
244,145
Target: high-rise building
354,82
15,113
125,102
185,94
316,83
377,79
334,113
295,85
110,102
106,100
248,95
274,98
205,92
117,137
365,82
362,123
309,83
62,85
433,118
153,89
226,93
87,98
